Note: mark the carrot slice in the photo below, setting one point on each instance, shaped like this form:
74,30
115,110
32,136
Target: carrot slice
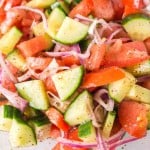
102,77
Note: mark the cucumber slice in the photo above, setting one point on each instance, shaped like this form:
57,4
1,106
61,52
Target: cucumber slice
34,91
137,26
40,3
139,93
41,126
110,118
6,116
21,134
86,132
31,112
17,59
141,69
78,111
9,40
54,23
62,5
67,82
68,1
71,31
119,89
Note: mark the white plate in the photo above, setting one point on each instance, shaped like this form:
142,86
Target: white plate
142,144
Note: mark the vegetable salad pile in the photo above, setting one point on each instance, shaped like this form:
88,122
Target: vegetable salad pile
77,71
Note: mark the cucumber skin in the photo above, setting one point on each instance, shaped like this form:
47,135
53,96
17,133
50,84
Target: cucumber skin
134,16
72,92
19,124
91,103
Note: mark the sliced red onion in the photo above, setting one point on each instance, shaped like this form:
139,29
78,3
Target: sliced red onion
101,145
25,76
143,78
45,24
8,6
6,69
83,18
136,3
146,2
14,98
74,143
76,48
113,34
99,114
121,142
2,2
82,56
118,136
104,24
109,106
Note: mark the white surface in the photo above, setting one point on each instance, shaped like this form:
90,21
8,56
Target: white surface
142,144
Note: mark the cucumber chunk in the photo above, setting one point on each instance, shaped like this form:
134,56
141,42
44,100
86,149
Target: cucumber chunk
78,111
67,82
141,69
71,31
139,93
6,116
40,3
137,26
54,23
87,132
17,59
119,89
34,91
21,134
110,118
41,126
9,40
62,5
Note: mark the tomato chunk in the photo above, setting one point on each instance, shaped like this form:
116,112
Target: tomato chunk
84,8
57,119
132,116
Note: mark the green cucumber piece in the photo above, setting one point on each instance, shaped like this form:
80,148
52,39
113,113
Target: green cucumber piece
67,82
9,40
78,111
86,132
41,126
71,31
62,5
40,3
110,118
17,59
141,69
54,23
32,112
137,26
139,93
119,89
21,134
6,116
68,1
34,91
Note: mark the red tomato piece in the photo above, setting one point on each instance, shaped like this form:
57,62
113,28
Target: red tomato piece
66,147
94,62
103,9
54,132
57,119
127,54
84,8
34,46
118,8
133,118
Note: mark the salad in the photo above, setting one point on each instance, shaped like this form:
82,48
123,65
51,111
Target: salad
77,71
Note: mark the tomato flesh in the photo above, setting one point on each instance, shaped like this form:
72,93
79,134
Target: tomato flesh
132,116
